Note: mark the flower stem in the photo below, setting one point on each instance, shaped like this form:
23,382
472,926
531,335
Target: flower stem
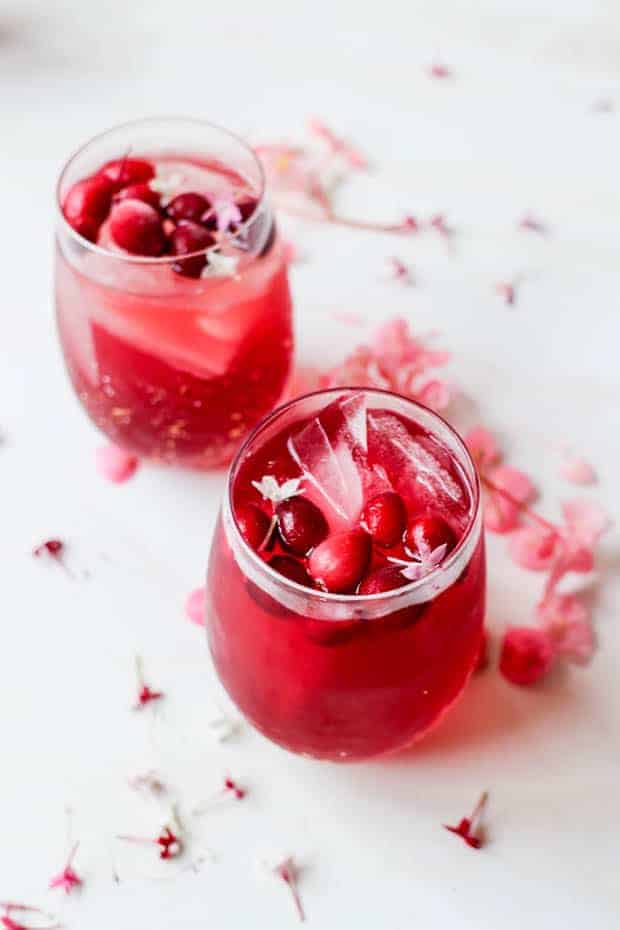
536,518
336,220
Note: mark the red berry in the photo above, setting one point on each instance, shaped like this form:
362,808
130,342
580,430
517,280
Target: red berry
424,534
291,569
136,227
87,204
385,518
527,655
386,578
302,525
190,237
253,524
123,171
338,563
139,192
188,206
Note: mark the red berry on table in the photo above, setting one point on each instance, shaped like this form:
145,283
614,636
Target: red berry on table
188,206
291,569
338,563
385,518
253,524
123,171
302,525
186,238
87,204
386,578
139,192
527,655
424,534
136,227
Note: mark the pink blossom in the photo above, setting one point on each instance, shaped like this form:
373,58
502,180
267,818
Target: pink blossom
68,879
566,619
396,361
337,145
533,547
195,606
584,524
114,464
578,471
483,447
503,510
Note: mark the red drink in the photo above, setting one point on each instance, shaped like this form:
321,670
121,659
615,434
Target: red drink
347,575
172,295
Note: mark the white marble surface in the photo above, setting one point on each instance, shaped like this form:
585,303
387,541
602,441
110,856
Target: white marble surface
513,131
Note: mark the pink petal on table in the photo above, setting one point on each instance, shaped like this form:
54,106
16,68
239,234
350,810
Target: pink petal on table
586,521
435,393
195,606
578,471
115,464
502,514
567,621
533,547
515,482
483,446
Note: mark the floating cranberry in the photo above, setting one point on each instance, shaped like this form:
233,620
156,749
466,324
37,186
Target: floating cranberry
386,578
302,525
190,237
87,204
527,655
385,518
424,534
123,171
139,192
253,524
189,206
136,227
338,563
291,569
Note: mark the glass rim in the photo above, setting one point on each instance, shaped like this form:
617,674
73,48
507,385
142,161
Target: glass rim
160,260
325,597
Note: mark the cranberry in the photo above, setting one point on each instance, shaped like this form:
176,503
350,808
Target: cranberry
188,206
386,578
385,518
338,563
190,237
123,171
87,204
427,533
136,227
139,192
253,524
301,523
527,655
291,569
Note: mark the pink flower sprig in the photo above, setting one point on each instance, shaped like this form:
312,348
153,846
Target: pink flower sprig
7,921
68,879
468,828
146,694
336,145
400,271
288,871
395,361
230,789
169,840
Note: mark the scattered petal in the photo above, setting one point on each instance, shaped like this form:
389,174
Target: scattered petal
533,547
439,71
586,520
288,872
114,464
146,695
531,224
527,655
10,908
51,547
578,471
469,827
336,145
508,291
566,619
400,270
195,606
483,447
508,489
224,727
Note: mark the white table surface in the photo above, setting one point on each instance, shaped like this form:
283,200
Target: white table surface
514,131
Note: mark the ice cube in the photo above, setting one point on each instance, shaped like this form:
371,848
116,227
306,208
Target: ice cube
332,453
413,463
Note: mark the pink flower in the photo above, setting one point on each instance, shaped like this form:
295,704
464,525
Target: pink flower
195,606
483,447
584,524
68,879
527,655
533,547
114,464
337,145
396,361
566,619
508,489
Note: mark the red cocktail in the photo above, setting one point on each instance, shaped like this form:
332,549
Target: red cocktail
172,297
345,594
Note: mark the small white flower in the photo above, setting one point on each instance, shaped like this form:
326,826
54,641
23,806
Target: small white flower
220,266
274,492
413,571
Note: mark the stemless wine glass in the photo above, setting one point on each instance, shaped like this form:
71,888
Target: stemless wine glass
347,676
175,359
